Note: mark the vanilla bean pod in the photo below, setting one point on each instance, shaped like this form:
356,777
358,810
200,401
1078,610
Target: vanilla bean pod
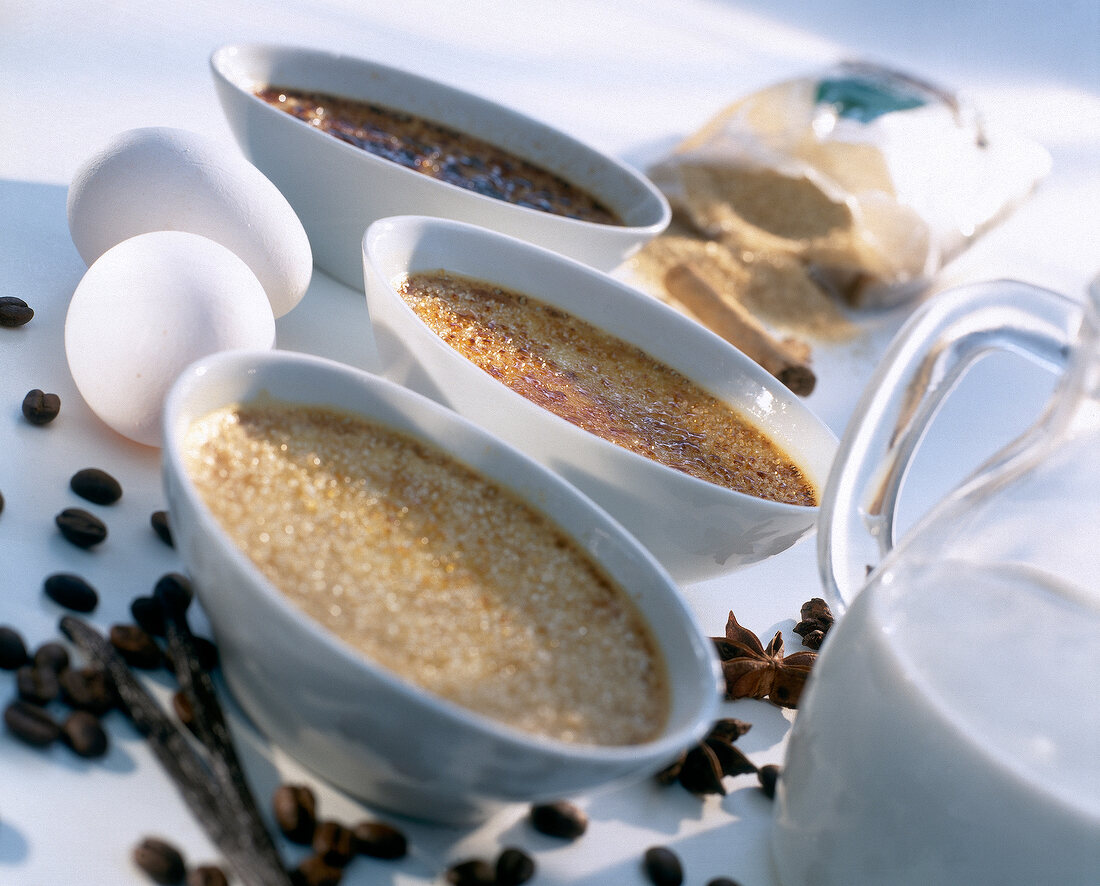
210,727
176,754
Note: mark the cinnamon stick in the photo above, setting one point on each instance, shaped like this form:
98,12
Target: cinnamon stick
736,325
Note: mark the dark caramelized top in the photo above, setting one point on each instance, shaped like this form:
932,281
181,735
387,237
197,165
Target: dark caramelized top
440,152
604,385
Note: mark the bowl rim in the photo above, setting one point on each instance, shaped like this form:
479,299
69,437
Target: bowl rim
672,737
637,301
220,65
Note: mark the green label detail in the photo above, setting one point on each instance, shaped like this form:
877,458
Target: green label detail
864,100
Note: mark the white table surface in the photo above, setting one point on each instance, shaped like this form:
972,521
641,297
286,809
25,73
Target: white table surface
629,77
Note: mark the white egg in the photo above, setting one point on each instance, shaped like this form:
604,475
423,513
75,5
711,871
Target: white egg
164,179
145,310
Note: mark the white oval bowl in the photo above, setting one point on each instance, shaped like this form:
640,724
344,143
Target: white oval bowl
357,724
337,189
696,529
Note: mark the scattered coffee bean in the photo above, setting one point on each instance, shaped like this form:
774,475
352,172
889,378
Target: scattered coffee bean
207,875
149,615
663,867
40,408
37,685
313,871
379,840
96,486
295,808
160,860
13,650
83,733
81,528
768,776
514,866
333,843
31,724
722,881
559,819
14,312
472,872
174,590
88,689
1,502
159,522
136,646
52,655
71,591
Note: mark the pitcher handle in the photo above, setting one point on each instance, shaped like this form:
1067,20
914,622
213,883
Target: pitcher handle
923,364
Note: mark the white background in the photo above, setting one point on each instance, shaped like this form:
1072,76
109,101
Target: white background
631,78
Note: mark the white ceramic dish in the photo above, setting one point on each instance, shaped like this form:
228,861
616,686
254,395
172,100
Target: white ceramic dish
356,724
337,189
696,529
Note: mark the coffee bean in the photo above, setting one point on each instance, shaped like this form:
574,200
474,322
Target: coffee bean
1,502
514,866
40,408
174,591
83,733
14,312
51,655
206,652
88,689
159,522
96,486
663,867
768,776
148,614
207,875
160,860
31,724
136,646
474,872
333,843
379,840
559,819
13,651
313,871
36,684
81,528
295,808
71,591
722,881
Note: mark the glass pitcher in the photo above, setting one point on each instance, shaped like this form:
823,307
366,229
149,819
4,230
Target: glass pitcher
950,733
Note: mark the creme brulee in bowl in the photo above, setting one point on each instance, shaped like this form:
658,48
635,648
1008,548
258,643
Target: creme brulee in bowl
705,457
414,609
348,141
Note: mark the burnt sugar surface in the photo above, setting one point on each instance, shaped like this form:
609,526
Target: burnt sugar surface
604,385
431,570
440,152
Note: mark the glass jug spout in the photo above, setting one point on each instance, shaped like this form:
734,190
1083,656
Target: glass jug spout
924,363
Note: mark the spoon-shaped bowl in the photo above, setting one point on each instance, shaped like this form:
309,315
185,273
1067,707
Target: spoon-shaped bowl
338,189
363,727
696,529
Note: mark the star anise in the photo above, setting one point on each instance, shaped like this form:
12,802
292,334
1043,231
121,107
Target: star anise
817,618
755,671
701,769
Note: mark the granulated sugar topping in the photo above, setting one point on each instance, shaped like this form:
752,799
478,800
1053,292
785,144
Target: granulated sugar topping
431,570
